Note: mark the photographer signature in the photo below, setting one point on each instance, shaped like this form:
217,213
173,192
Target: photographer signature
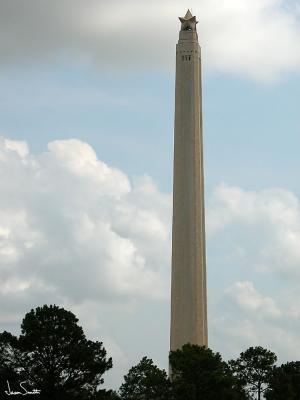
24,391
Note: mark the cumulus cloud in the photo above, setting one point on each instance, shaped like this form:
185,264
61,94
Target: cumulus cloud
267,223
257,234
80,233
258,39
249,318
75,228
249,300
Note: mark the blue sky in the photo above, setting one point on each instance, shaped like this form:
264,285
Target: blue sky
251,129
86,152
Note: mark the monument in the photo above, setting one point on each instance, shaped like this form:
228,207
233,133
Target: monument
188,297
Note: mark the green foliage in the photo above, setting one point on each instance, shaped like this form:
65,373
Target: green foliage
106,395
10,358
145,381
253,369
52,354
285,382
198,373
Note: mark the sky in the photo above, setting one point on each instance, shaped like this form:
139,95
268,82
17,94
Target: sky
86,152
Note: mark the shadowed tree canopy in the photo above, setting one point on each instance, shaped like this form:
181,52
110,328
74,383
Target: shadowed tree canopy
145,381
285,382
52,354
253,369
198,373
106,395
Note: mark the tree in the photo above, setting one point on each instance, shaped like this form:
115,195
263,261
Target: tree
106,395
198,373
285,382
52,354
145,381
253,369
7,372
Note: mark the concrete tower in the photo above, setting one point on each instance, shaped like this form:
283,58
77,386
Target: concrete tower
189,301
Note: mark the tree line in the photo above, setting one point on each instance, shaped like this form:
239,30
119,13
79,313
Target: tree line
52,359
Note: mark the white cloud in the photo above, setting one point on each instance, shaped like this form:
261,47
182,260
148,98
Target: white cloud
249,318
19,147
267,223
71,221
77,232
257,39
249,300
256,234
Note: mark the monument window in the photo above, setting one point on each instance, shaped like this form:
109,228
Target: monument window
186,58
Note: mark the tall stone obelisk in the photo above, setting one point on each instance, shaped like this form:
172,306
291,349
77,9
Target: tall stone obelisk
189,299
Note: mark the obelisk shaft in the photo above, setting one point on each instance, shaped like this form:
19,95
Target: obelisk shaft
189,298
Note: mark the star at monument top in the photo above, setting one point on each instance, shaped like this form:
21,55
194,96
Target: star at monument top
188,22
